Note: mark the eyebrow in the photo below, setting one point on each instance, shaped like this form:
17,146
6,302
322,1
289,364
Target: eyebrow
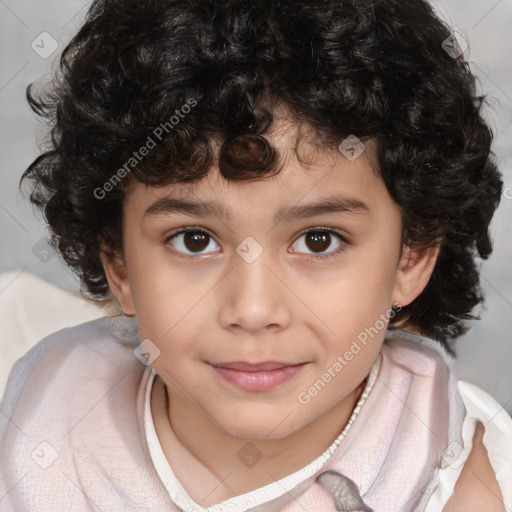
335,204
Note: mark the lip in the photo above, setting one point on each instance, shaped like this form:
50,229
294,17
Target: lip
256,377
254,367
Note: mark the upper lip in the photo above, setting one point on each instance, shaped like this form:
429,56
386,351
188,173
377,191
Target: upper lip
254,367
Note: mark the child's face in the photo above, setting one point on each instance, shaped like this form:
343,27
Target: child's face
286,304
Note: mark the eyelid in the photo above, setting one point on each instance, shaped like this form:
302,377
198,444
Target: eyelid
188,228
341,234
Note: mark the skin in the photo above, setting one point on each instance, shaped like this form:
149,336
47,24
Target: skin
476,488
287,305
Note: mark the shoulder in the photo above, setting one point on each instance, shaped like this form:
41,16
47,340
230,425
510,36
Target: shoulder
73,412
64,367
485,479
102,336
475,469
477,488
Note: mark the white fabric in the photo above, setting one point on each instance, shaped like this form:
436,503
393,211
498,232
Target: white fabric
497,440
71,425
30,309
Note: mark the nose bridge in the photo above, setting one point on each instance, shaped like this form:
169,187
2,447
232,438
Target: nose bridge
252,298
251,273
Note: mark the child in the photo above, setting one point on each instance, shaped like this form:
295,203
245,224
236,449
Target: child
200,150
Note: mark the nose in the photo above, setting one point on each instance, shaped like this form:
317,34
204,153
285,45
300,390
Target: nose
254,297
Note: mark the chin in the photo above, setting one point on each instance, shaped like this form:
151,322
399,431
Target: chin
256,433
254,426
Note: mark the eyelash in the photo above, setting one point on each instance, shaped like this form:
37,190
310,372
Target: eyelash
318,229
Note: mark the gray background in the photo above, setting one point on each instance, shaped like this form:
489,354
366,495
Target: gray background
485,353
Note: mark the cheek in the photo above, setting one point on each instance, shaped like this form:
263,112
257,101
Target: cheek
354,296
375,267
158,288
363,283
168,303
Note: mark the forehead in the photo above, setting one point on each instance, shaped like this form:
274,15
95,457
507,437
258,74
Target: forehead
309,170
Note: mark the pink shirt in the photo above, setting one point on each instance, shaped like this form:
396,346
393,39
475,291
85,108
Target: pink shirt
76,433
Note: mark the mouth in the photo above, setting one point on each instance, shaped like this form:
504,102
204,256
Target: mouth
259,376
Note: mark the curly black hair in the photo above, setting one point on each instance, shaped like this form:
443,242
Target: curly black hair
183,74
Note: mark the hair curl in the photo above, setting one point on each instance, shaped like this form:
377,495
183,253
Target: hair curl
371,68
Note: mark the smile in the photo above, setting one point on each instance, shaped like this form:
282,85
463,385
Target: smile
255,380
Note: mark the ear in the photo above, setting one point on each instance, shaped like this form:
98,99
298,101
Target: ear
118,280
414,271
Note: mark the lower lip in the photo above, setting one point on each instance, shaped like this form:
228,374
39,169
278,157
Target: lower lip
260,380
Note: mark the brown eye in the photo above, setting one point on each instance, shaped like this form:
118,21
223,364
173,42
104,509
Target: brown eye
190,241
318,241
195,241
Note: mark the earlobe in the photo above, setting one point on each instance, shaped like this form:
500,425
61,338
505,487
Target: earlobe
118,281
414,271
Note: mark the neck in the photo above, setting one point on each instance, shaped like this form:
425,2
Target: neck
217,451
